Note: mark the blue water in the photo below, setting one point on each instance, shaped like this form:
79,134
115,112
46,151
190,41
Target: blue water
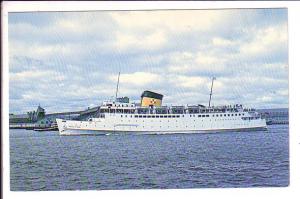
47,161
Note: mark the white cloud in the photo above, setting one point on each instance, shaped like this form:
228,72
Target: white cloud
154,29
137,79
179,21
203,59
199,62
266,41
220,42
76,56
187,81
283,92
35,75
131,41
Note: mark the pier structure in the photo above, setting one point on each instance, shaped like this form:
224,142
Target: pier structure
39,118
275,116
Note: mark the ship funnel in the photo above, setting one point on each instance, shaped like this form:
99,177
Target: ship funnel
150,98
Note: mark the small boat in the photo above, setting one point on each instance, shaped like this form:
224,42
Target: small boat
53,127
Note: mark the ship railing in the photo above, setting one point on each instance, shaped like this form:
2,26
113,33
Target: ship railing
172,110
251,118
165,111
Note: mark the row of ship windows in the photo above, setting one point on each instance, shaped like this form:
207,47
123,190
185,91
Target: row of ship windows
152,126
177,120
177,116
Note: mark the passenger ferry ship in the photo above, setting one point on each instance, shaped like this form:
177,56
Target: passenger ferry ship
150,117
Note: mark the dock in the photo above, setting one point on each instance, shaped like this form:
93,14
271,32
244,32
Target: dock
22,126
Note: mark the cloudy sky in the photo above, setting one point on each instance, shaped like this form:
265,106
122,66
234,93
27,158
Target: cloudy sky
70,60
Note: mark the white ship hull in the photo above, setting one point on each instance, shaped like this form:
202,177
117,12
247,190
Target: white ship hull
157,124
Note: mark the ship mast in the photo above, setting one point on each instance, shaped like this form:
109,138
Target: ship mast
212,84
117,86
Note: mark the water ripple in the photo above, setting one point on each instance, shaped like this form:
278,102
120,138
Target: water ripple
47,161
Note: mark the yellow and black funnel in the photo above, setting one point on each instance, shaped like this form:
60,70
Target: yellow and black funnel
150,98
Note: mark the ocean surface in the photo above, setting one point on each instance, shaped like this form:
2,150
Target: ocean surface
47,161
